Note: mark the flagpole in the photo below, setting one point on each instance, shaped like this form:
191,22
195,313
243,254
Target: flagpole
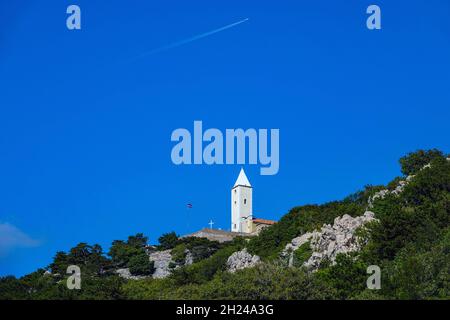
188,207
187,222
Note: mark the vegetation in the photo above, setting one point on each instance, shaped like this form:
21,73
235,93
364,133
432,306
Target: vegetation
140,265
168,241
302,254
305,219
409,241
131,254
415,161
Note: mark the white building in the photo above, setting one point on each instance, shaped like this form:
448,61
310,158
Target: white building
242,219
243,223
241,204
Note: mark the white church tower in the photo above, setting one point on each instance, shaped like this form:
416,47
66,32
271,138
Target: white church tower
241,205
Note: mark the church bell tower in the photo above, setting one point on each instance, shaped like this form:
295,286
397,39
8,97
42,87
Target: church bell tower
241,205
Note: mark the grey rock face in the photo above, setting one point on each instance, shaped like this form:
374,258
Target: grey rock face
161,261
298,242
189,258
330,240
241,260
126,274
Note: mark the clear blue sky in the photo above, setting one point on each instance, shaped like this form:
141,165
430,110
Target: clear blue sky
85,133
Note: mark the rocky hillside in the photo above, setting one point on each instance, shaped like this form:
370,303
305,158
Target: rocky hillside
323,244
313,252
330,241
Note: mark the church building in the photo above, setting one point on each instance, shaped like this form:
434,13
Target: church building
243,222
242,219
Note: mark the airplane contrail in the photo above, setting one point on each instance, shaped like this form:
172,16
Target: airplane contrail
194,38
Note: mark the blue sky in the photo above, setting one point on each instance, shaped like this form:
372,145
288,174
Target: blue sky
85,132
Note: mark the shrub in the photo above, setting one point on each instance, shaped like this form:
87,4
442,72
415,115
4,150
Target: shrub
201,248
267,281
348,276
302,254
205,270
179,253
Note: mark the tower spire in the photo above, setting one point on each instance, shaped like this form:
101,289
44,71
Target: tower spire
241,204
242,180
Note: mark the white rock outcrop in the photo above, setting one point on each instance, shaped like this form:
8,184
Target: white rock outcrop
189,258
241,260
126,274
383,193
161,261
330,240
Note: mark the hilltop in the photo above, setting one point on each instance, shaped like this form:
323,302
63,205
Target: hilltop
313,252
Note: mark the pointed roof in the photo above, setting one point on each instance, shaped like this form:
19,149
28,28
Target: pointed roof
242,180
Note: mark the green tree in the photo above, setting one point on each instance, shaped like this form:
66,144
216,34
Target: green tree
121,252
140,265
348,276
60,263
12,288
89,258
414,161
137,241
168,241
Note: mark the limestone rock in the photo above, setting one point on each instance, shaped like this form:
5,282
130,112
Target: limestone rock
241,260
189,258
126,274
299,241
330,240
161,261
